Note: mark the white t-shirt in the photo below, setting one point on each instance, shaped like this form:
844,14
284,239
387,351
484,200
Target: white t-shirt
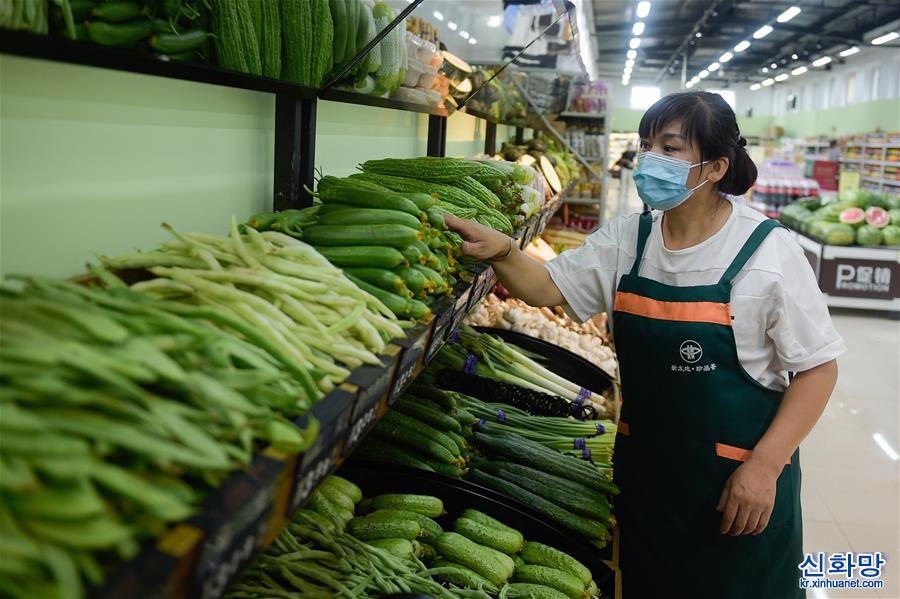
780,319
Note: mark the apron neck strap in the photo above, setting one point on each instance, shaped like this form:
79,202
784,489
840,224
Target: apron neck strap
644,226
750,246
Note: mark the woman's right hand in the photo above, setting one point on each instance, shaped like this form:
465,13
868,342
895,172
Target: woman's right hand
480,242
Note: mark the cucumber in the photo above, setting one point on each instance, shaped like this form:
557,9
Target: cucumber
320,521
121,35
544,555
374,256
427,415
337,499
430,260
334,190
485,520
320,504
383,451
170,43
381,278
117,11
402,548
366,529
460,575
344,486
401,419
414,280
341,26
343,235
506,542
445,399
436,219
341,214
464,446
423,200
344,515
431,529
81,9
435,277
413,255
535,591
420,504
563,582
457,548
505,560
413,440
454,470
401,306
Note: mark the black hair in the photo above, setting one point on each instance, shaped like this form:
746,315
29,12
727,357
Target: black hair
710,125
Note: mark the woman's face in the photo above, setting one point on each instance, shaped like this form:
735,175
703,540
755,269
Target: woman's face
670,142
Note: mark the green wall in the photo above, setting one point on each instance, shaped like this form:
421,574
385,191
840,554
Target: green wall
864,117
626,120
92,160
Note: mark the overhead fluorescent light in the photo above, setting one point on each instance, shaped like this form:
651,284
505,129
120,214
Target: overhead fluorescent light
631,54
703,74
885,446
799,71
638,28
849,51
768,82
821,62
762,32
782,77
689,84
887,37
438,15
634,43
788,14
473,41
495,20
726,57
755,87
765,69
698,35
629,63
643,9
451,25
713,67
464,34
627,70
742,46
794,57
695,79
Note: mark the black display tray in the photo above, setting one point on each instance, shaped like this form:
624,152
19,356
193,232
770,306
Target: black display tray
459,494
566,364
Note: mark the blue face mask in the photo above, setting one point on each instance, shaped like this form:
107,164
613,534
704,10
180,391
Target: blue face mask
660,180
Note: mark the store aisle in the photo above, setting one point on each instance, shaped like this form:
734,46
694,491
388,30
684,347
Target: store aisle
851,486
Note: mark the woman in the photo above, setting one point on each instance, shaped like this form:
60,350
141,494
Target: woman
712,305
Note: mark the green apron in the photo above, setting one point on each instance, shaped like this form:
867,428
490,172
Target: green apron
690,416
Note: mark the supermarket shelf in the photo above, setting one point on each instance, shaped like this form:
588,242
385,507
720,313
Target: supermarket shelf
869,145
202,556
872,162
881,181
491,118
596,116
581,201
336,95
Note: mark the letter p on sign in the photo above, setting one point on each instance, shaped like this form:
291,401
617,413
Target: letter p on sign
845,274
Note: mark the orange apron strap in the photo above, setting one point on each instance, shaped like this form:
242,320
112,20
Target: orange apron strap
713,312
735,453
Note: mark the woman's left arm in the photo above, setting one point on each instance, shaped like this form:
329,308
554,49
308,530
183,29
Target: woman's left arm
749,495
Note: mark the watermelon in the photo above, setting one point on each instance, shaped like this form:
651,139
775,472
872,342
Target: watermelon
877,217
894,213
838,234
891,235
852,216
831,212
893,202
867,235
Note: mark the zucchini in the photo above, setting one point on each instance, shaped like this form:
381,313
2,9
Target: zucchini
583,526
401,306
506,542
413,255
431,529
342,214
543,555
401,419
402,548
457,548
420,504
563,582
344,486
342,235
427,414
460,575
170,43
413,440
366,529
117,11
414,280
341,191
121,35
374,256
380,277
535,591
382,451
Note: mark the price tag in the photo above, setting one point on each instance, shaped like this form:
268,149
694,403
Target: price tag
490,278
240,553
409,360
460,310
360,427
310,474
442,322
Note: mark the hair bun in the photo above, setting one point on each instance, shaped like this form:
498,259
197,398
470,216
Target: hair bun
741,141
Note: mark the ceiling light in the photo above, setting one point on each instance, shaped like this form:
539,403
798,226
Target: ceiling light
762,32
473,41
451,25
495,20
742,46
703,74
788,14
631,54
774,65
713,67
438,15
627,71
726,57
799,71
794,57
755,87
821,62
689,84
698,35
695,79
634,43
643,9
885,446
765,69
768,82
638,28
782,77
849,51
629,63
464,34
887,37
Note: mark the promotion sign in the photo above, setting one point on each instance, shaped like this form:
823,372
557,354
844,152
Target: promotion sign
848,182
854,277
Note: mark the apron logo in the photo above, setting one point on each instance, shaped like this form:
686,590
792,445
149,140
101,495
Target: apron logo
690,351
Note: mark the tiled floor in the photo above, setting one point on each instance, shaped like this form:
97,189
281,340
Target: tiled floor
851,486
